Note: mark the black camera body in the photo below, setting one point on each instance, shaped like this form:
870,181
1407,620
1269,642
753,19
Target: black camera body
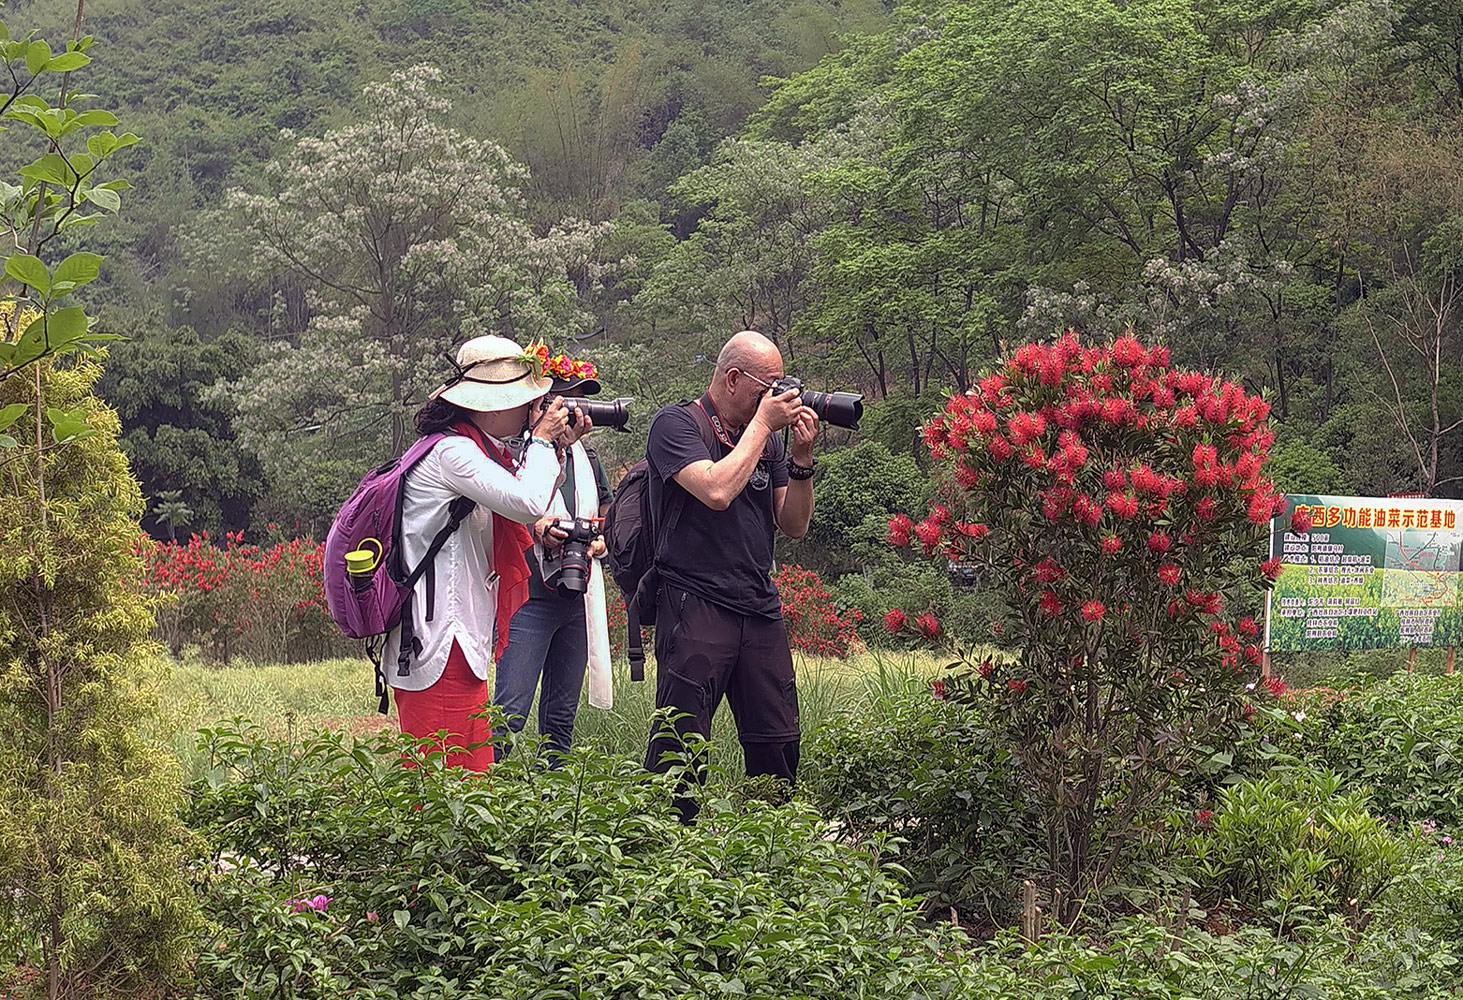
566,569
841,409
605,413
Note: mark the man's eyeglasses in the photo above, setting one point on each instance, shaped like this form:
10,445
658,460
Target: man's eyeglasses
765,385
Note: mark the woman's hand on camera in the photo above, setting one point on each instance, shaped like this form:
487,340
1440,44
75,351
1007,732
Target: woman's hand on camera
546,532
553,421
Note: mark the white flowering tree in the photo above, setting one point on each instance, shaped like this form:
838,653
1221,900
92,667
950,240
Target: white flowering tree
408,237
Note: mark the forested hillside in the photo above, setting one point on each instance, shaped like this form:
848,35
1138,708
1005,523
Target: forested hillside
1276,189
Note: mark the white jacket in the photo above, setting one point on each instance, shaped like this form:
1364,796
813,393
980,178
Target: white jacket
466,601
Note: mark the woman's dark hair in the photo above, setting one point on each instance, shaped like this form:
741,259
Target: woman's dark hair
438,415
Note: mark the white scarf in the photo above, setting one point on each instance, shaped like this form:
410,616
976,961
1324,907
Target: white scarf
596,620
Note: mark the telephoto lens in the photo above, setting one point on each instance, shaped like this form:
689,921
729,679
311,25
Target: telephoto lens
841,409
605,413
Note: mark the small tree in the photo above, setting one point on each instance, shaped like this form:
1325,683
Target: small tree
407,236
1118,506
92,893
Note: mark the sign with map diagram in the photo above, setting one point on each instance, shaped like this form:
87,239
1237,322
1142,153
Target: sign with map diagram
1371,573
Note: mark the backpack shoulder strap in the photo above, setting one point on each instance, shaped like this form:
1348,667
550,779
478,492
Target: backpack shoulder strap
703,423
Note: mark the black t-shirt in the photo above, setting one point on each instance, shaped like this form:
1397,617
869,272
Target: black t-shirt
724,556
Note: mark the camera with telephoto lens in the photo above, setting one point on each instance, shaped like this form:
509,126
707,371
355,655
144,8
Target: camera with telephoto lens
566,570
605,413
841,409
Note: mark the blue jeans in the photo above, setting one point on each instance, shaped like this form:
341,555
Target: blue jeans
546,640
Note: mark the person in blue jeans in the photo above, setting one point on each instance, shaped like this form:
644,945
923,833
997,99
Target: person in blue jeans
553,638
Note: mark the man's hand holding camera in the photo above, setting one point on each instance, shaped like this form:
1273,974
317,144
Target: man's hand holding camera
550,532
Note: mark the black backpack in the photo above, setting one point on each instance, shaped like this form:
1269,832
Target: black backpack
633,536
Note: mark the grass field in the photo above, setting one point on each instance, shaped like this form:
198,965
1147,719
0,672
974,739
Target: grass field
337,694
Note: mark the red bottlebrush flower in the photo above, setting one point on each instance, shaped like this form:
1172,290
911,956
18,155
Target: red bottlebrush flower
1047,571
985,669
1204,509
928,533
1023,428
1270,568
1093,611
984,421
1205,818
1128,353
1124,505
1260,505
975,531
1114,480
1116,410
1049,603
1111,545
900,527
928,626
1034,457
937,689
1018,686
1247,626
966,477
999,448
1159,543
894,619
1028,357
1219,628
1301,522
1145,480
1253,654
1169,575
1086,510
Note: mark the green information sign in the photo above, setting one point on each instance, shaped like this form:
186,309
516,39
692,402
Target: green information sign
1371,573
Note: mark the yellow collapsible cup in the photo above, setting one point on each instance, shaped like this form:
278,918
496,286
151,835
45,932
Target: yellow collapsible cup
363,560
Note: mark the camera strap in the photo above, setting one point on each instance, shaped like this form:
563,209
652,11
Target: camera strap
714,418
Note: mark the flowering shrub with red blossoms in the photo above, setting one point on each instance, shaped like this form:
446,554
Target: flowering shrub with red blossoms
1119,506
263,602
267,603
814,625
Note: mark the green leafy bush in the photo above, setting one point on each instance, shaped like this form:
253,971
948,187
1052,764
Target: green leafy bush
336,871
1401,738
1141,959
1292,846
931,773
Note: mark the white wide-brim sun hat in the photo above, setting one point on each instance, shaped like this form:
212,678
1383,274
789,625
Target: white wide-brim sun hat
493,373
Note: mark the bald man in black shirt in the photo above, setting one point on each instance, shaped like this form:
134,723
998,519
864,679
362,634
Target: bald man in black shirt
719,628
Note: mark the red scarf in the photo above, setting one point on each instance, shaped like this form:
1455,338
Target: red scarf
510,541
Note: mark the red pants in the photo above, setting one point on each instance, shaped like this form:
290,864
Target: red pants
448,705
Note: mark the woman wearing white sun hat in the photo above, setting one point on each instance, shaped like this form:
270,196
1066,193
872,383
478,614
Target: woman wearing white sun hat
460,612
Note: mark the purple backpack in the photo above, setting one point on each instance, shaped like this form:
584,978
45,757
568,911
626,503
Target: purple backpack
376,598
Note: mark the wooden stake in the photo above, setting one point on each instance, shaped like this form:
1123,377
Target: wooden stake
1452,652
1411,659
1265,665
1030,914
1181,919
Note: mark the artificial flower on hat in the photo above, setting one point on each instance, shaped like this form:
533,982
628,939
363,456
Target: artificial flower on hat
571,373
